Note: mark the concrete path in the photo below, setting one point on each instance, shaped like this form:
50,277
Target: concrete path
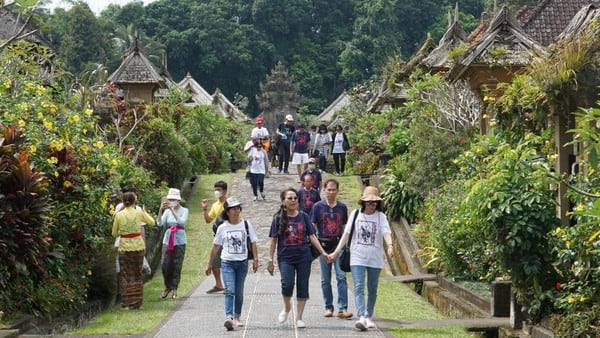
202,315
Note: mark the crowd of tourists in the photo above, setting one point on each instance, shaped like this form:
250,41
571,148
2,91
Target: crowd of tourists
304,228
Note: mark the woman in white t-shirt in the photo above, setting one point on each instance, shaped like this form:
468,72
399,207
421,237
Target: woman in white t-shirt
258,166
371,227
232,236
322,144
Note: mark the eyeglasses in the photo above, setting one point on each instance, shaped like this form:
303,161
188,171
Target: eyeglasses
370,202
291,198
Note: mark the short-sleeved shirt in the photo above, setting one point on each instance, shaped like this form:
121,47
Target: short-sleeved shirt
338,144
367,241
317,178
259,133
288,131
169,220
307,198
330,221
216,209
301,141
293,244
233,239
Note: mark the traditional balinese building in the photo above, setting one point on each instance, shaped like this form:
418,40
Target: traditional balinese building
329,116
138,79
199,96
500,52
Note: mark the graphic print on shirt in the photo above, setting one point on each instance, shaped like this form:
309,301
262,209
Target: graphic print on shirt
302,138
235,242
307,202
294,234
366,232
331,224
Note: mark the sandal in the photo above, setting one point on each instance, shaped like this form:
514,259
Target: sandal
165,293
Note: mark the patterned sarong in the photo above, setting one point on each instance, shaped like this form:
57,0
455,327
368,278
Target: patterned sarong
130,280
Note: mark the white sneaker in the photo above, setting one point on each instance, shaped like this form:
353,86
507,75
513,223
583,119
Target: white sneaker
369,322
254,199
300,324
283,316
360,324
262,194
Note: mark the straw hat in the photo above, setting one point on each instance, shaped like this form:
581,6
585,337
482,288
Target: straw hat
233,202
174,194
370,194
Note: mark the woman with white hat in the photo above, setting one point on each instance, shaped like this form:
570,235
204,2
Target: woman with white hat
232,235
175,217
369,227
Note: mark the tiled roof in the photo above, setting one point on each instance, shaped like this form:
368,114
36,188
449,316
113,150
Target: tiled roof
545,21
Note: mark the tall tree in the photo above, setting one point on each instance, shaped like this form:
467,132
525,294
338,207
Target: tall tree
83,43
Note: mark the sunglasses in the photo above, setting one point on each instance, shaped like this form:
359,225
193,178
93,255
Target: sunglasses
291,198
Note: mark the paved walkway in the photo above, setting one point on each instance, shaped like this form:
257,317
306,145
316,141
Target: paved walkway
202,315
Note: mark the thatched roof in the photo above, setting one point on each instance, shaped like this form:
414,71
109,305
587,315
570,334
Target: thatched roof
504,44
438,57
329,113
12,24
546,20
199,96
137,69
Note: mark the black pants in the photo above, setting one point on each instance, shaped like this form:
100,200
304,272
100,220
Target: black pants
340,162
284,156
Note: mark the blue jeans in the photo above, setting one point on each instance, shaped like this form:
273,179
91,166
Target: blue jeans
342,285
234,275
298,273
358,276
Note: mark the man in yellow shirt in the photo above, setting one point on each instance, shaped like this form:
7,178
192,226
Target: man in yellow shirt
214,214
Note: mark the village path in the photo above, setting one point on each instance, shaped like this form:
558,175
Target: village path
202,315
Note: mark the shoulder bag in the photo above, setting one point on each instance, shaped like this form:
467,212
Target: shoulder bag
248,242
345,254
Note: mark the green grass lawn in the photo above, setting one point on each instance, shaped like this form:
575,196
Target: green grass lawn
395,300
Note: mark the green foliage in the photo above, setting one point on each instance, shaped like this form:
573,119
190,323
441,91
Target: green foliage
213,140
167,153
399,201
514,202
399,140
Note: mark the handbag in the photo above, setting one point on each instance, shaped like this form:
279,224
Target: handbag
345,254
248,242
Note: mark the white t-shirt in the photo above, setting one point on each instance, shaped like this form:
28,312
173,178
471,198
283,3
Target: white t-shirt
261,133
259,161
367,245
232,237
338,143
320,141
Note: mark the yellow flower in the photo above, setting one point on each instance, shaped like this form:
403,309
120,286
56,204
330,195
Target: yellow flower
88,112
52,160
32,149
56,174
582,298
29,86
558,230
22,123
86,187
485,116
67,184
89,272
106,156
493,123
84,148
56,145
48,125
571,300
99,144
579,207
24,106
115,162
73,119
7,83
594,236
